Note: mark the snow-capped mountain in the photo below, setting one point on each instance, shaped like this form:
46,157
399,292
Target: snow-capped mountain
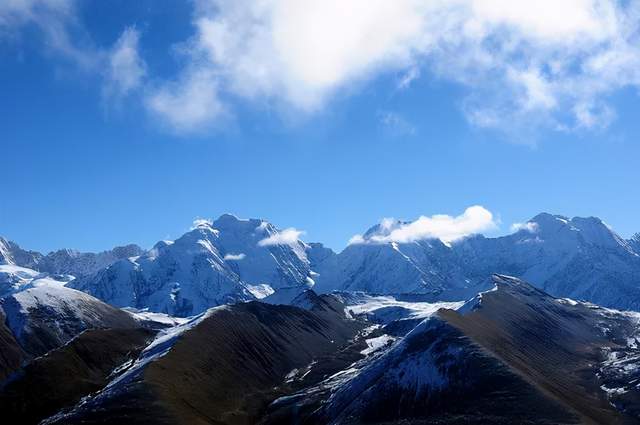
427,266
224,261
68,261
11,253
64,261
580,258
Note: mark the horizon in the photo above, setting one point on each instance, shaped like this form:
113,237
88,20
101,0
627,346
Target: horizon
495,229
124,123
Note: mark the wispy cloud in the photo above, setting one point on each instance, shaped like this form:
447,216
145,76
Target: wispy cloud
234,257
395,124
59,25
126,69
284,237
120,66
189,104
201,222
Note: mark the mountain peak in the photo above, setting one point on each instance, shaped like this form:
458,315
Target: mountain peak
384,228
229,221
547,218
503,280
5,254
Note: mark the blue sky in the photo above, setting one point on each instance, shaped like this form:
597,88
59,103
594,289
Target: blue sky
123,122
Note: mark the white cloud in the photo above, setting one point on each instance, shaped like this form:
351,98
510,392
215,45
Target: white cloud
530,227
126,69
234,257
517,59
524,64
65,37
395,124
284,237
356,239
58,23
189,104
447,228
412,74
201,222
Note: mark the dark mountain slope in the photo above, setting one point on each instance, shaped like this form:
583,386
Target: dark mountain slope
11,354
47,315
225,368
556,346
510,355
63,376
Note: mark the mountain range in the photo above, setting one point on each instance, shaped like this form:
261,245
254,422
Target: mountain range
239,322
512,354
232,259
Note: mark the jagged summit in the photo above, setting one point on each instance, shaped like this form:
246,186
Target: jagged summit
227,219
634,243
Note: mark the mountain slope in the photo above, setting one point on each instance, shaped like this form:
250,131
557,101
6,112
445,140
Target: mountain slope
510,347
44,314
70,372
12,254
223,367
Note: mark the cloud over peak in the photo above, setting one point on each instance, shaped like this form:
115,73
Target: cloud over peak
447,228
288,236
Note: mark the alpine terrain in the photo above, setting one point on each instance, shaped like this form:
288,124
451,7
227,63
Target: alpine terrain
240,322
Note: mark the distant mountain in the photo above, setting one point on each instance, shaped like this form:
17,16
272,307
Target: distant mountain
11,253
75,263
581,258
64,261
226,261
231,260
